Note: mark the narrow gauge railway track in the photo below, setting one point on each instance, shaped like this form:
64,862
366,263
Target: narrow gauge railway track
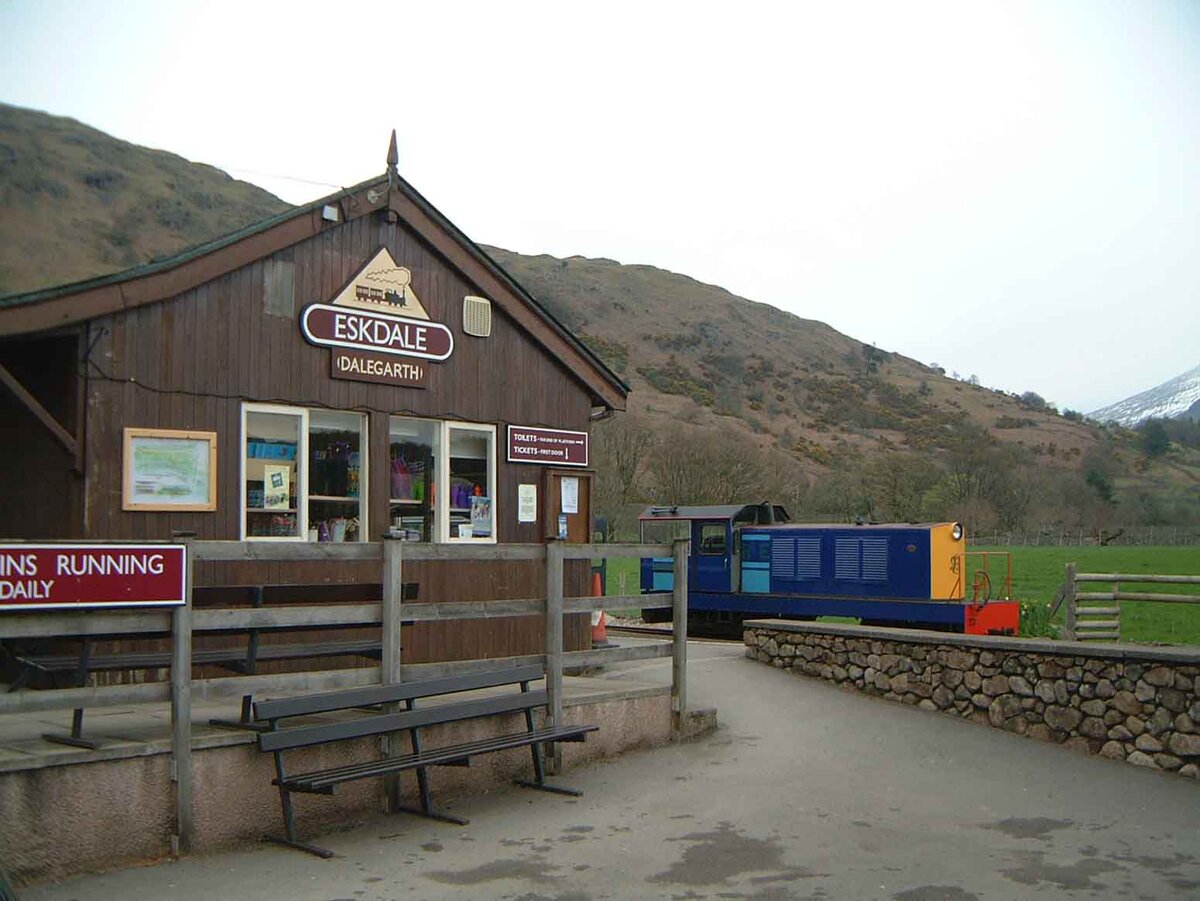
657,632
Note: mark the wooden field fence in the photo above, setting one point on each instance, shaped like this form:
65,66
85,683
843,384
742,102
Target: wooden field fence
1057,536
182,622
1096,615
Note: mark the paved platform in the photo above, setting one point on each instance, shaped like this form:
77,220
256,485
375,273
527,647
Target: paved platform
805,791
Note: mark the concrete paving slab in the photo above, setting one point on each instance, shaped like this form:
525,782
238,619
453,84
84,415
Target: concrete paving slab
805,791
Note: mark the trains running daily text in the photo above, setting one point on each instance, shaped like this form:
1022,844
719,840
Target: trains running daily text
70,576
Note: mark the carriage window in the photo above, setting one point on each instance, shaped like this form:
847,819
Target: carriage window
712,538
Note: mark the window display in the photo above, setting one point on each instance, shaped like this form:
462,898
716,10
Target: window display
472,479
303,473
336,503
306,477
412,457
271,472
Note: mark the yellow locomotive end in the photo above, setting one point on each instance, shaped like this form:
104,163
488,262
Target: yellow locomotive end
947,561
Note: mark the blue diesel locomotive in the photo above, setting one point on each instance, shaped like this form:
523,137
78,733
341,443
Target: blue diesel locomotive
749,561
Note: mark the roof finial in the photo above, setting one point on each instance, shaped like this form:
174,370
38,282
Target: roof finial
393,159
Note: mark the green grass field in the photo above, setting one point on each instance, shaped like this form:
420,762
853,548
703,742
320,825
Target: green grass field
1038,573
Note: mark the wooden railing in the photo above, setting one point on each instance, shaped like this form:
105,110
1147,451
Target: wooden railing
1096,615
183,622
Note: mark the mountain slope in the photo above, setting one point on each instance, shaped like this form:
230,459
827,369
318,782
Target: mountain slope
697,353
809,409
78,203
1176,397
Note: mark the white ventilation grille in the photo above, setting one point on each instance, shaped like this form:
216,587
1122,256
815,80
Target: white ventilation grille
477,316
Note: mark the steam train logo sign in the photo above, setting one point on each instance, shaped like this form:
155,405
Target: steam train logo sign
377,326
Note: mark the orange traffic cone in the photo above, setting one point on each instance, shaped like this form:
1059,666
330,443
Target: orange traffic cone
599,634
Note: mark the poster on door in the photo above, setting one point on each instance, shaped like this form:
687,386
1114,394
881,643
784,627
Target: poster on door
570,495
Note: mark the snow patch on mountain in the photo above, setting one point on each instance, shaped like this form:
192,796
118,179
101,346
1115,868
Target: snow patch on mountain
1169,400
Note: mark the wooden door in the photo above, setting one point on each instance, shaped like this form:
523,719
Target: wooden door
578,488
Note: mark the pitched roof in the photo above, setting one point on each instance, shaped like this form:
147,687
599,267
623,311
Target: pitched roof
66,305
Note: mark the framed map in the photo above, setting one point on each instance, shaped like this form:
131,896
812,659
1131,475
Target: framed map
169,470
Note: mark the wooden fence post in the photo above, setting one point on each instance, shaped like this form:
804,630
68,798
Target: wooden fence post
554,643
181,712
679,622
393,595
1069,602
389,670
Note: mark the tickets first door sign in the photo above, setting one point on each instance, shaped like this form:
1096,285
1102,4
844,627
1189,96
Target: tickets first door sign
377,327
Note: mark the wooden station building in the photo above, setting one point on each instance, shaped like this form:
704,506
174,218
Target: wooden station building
349,370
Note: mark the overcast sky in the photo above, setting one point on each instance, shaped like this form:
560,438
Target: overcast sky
1010,190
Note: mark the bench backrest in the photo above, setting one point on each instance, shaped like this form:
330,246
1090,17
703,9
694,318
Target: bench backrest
302,736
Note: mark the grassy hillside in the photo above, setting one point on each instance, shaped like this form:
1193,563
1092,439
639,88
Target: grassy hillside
697,353
698,356
77,203
782,406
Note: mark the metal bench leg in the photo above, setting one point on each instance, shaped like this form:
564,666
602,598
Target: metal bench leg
427,809
76,739
539,777
289,818
539,772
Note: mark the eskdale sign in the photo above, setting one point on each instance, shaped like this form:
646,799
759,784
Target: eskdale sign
373,319
332,326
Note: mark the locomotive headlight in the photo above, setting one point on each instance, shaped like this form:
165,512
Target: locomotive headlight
956,533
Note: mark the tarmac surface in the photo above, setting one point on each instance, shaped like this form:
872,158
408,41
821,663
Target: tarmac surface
804,791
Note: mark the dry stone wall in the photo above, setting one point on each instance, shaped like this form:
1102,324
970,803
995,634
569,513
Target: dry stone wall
1125,702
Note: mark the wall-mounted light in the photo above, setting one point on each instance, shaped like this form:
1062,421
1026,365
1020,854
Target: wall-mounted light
330,213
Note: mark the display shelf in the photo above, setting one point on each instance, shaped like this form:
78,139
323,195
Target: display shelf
407,502
279,510
336,498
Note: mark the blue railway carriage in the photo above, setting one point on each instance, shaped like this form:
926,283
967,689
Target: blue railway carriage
750,560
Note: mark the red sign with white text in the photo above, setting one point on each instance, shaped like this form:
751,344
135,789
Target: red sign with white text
555,447
68,576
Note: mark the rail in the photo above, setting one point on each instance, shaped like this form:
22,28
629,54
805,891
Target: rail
183,622
1096,615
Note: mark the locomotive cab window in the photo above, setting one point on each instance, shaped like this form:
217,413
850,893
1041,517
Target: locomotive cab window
712,538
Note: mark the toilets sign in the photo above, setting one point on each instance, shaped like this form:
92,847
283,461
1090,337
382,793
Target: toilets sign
555,447
79,576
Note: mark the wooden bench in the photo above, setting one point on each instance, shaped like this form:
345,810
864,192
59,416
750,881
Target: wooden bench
281,735
242,659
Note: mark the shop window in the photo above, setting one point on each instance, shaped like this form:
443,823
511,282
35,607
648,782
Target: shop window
442,495
304,474
337,476
272,472
413,452
471,482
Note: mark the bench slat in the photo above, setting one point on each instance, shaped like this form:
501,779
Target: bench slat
68,663
385,694
377,724
323,779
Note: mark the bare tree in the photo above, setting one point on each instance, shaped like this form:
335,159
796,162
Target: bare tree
696,466
621,447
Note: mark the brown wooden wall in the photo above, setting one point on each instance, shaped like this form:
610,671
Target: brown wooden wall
190,362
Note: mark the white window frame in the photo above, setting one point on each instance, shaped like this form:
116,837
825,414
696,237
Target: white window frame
302,462
301,472
442,511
